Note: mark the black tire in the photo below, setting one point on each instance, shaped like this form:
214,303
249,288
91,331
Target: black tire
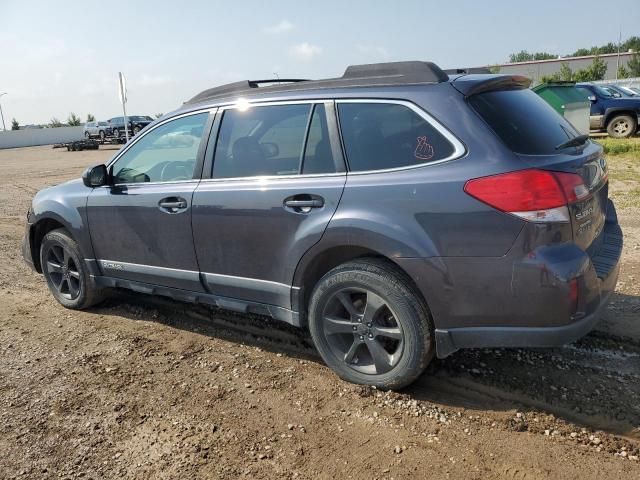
350,339
116,133
622,126
73,147
136,130
65,272
87,135
102,135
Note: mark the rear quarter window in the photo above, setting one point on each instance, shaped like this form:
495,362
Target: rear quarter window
525,122
378,136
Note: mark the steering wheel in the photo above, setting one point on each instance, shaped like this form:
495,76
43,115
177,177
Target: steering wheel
174,171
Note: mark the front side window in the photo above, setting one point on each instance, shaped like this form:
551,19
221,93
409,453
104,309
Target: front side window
165,154
379,136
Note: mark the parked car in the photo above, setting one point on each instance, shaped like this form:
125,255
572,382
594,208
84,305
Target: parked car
135,124
396,212
617,116
95,130
622,91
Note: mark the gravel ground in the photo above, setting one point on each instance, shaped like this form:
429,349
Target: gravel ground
143,387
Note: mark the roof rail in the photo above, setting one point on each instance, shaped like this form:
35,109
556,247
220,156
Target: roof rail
392,73
469,70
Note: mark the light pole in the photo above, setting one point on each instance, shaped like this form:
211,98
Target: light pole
4,128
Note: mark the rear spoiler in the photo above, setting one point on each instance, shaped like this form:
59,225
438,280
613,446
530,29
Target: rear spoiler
470,85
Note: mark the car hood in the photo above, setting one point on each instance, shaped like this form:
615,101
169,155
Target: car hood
58,192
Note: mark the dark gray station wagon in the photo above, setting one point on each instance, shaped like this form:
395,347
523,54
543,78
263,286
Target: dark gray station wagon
396,212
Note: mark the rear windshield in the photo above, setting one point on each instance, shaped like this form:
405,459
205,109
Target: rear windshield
524,122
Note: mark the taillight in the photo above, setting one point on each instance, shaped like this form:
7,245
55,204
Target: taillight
534,195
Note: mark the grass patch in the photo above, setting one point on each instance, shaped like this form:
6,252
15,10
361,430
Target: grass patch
618,146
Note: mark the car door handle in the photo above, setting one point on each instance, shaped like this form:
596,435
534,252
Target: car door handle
303,203
172,204
312,203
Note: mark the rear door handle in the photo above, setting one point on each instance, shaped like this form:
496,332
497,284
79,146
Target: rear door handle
313,203
303,203
172,204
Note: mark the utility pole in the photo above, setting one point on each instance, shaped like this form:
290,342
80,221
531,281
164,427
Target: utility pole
4,128
618,57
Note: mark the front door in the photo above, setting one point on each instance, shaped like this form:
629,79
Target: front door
140,224
277,180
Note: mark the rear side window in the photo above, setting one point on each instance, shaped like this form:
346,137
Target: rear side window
269,141
379,136
524,121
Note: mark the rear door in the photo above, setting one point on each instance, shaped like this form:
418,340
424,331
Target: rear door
277,178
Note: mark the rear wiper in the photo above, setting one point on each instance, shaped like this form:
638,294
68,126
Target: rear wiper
573,142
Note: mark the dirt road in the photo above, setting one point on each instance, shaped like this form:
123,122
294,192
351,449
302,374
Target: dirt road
151,388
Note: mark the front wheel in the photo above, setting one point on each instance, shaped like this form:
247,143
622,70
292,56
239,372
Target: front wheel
116,133
87,135
102,135
65,272
136,130
622,126
370,325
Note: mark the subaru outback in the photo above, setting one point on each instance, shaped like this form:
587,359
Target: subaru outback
395,212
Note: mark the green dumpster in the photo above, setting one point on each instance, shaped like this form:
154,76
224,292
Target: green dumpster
568,101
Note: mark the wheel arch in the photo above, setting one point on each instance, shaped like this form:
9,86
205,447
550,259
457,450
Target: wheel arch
612,113
38,232
315,264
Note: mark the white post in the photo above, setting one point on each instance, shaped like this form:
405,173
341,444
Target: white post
123,98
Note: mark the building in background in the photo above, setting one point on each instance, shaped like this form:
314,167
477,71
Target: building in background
536,69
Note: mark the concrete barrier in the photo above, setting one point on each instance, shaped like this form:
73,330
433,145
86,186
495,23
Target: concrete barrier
39,136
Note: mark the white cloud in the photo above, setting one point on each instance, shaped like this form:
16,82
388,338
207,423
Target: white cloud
305,51
281,27
373,50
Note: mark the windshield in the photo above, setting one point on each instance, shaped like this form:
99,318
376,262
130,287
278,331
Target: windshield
137,118
524,121
603,92
102,124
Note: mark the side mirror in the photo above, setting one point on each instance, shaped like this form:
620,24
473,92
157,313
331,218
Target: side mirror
95,176
592,98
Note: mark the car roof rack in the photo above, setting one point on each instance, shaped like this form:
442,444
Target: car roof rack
467,70
373,74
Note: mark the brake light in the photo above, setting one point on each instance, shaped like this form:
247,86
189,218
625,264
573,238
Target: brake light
534,195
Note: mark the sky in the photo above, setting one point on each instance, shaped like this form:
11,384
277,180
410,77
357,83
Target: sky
60,56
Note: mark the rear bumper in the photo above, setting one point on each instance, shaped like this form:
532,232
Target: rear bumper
521,299
449,341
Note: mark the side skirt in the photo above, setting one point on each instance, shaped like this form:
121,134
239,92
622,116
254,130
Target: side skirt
226,303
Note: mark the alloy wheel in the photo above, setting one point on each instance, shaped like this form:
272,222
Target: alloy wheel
621,127
63,272
361,330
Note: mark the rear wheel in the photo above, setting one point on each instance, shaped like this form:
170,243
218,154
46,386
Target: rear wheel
370,325
116,133
621,126
87,135
65,272
136,130
102,135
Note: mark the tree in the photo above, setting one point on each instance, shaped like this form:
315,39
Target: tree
55,123
596,71
90,118
15,125
623,72
634,65
494,68
158,115
524,56
73,120
565,72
